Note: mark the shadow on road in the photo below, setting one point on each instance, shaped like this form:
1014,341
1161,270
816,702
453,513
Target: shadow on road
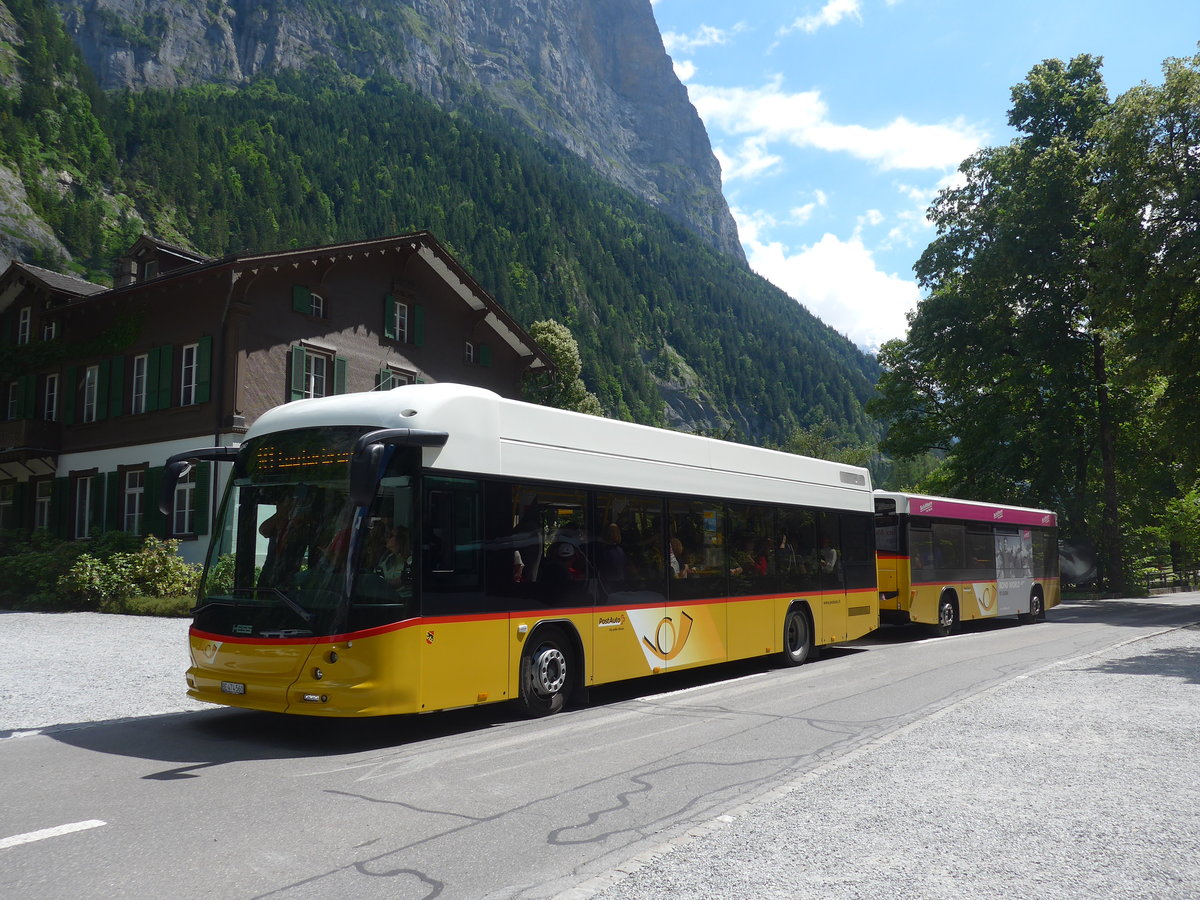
195,741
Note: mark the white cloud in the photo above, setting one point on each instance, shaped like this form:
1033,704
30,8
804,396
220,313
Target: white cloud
837,280
832,13
684,70
802,119
704,36
751,161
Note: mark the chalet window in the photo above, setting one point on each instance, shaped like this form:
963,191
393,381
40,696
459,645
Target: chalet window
184,521
41,504
49,331
50,399
135,489
396,320
137,399
316,372
390,377
307,301
91,382
149,269
187,380
316,367
83,506
24,320
14,400
469,353
403,322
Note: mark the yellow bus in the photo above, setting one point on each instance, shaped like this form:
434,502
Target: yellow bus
944,561
437,546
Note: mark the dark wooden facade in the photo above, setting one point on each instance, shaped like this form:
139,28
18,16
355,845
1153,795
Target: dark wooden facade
101,385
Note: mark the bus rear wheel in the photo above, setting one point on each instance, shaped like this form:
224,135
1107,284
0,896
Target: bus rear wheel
1037,610
947,623
797,638
547,670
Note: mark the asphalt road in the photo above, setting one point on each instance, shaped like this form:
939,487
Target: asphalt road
1056,759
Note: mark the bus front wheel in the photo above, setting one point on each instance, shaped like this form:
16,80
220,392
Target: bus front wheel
547,669
797,638
947,623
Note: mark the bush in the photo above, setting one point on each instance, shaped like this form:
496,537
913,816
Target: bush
112,572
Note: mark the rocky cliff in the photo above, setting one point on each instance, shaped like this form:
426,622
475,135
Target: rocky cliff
589,74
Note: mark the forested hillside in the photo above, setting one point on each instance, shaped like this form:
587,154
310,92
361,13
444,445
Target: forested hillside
297,160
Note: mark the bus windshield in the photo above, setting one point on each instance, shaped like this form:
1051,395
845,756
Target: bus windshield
293,557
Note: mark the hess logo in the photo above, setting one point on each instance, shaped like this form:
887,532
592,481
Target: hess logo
668,640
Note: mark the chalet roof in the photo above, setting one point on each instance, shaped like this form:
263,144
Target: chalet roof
423,243
20,275
145,242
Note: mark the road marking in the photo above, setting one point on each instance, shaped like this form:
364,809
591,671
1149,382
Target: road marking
29,837
699,687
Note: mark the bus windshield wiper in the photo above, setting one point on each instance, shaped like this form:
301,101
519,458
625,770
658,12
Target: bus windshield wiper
291,604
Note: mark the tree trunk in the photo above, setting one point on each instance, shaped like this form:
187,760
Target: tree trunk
1111,550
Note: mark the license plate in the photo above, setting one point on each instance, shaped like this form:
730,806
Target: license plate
232,687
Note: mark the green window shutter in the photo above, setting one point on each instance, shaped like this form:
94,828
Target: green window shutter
152,379
114,508
70,389
301,299
383,381
165,362
418,337
297,380
204,370
116,387
153,521
485,355
103,373
200,497
60,508
339,374
389,317
27,397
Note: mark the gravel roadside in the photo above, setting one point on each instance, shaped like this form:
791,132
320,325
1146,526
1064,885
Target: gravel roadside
1078,781
97,668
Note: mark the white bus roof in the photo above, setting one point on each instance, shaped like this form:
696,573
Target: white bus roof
491,435
949,508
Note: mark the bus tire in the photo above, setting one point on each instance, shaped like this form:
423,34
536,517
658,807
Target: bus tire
547,673
1037,609
947,623
797,637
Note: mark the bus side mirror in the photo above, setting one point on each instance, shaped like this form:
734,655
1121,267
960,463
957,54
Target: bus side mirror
373,451
365,466
180,464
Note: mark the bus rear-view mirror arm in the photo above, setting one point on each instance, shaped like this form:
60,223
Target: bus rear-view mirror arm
180,464
371,453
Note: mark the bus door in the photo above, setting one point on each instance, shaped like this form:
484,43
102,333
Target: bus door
632,633
464,649
1014,569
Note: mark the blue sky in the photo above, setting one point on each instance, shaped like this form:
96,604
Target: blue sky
837,121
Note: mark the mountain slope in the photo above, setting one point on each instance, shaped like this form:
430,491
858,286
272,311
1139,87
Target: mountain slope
591,76
671,330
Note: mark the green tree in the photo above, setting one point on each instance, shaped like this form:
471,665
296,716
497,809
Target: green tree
1006,366
563,387
1150,222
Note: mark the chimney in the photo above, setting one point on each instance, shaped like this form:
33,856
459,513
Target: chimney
126,272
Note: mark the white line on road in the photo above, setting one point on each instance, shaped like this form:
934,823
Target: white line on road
30,837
